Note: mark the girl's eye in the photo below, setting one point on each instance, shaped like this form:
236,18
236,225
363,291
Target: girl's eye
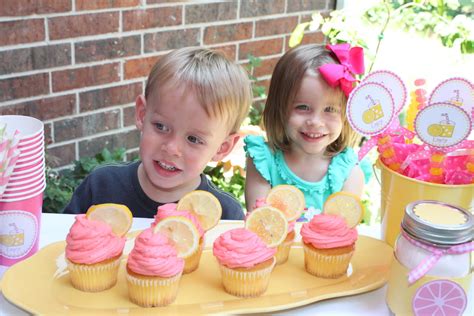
302,107
195,140
161,127
331,109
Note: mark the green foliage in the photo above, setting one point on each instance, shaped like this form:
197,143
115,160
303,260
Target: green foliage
259,92
233,185
60,185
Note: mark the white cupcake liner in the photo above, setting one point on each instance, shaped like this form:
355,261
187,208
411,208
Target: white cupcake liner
326,266
94,277
246,283
283,252
150,292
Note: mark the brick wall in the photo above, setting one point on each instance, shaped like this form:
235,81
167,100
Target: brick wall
79,64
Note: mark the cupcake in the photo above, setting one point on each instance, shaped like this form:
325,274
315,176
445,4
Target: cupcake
328,245
153,270
93,254
283,250
245,262
191,263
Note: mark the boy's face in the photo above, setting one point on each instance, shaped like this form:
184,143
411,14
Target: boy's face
178,140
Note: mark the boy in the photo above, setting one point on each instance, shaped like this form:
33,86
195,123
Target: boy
194,102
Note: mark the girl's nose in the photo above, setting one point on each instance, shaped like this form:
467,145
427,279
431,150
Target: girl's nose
314,120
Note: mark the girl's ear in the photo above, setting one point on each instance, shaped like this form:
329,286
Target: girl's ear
226,147
140,111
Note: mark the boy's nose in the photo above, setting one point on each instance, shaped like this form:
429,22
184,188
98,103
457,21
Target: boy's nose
172,148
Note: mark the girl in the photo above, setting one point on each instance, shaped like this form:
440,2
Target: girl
307,130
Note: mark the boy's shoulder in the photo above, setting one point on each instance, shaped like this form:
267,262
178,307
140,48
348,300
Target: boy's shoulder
114,169
231,208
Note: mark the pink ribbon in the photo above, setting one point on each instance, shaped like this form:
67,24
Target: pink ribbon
393,130
424,266
352,62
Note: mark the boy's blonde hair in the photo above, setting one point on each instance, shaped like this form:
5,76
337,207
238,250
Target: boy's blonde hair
221,86
284,85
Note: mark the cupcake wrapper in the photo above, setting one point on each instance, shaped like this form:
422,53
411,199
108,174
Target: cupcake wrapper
95,277
192,262
326,266
246,283
283,251
153,291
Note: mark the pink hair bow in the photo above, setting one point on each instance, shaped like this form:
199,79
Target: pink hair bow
352,62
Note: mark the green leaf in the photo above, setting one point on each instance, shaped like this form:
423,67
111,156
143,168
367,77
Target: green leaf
297,34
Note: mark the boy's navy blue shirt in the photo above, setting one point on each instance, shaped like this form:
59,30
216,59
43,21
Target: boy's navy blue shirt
119,184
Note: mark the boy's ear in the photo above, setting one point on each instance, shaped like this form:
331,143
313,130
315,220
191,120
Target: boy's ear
140,111
226,147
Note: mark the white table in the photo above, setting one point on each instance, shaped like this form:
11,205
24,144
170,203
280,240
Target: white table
54,227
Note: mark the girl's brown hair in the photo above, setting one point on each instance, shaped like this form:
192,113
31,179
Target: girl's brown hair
284,85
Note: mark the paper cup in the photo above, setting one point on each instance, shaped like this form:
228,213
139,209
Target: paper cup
28,175
29,158
19,228
23,197
29,169
20,193
28,165
13,187
28,126
35,141
29,150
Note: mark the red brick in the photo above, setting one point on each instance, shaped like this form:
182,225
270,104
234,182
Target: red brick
34,58
23,87
48,135
62,155
172,39
139,67
227,33
270,27
151,18
109,48
83,25
85,77
129,116
83,126
105,4
261,48
266,68
21,31
90,147
309,38
261,7
306,5
44,109
105,97
229,51
210,12
29,7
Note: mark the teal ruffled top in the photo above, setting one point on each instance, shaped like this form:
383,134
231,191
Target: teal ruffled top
273,168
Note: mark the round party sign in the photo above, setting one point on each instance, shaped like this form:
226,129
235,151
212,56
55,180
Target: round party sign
442,125
370,108
457,91
394,85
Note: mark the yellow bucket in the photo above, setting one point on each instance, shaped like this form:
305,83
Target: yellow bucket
398,191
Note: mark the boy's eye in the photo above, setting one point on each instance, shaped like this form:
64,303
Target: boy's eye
195,140
161,127
302,107
331,109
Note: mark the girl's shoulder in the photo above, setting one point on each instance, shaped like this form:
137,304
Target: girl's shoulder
340,167
262,156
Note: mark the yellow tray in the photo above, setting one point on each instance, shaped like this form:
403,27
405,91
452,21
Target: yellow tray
33,286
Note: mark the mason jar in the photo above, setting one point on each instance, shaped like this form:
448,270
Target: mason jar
431,270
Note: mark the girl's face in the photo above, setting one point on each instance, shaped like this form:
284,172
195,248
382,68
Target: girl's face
314,117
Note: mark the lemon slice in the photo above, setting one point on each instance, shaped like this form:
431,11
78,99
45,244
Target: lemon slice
204,205
181,232
288,199
118,216
269,223
345,204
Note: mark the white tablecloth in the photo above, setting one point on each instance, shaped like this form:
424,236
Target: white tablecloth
54,227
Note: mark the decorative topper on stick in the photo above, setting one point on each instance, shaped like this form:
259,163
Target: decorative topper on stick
393,83
457,91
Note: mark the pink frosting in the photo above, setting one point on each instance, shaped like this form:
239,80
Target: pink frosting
328,231
241,248
153,255
170,210
90,242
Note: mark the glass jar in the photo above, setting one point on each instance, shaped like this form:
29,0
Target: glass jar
432,251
